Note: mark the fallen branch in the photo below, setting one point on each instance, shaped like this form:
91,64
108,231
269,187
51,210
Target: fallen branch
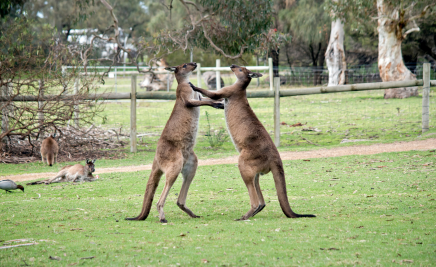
20,245
310,142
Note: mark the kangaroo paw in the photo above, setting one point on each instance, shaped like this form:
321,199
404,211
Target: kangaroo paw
163,221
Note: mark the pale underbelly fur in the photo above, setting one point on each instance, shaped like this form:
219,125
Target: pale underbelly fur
226,105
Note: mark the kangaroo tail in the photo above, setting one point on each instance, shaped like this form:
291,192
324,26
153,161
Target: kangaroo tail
153,182
50,158
280,183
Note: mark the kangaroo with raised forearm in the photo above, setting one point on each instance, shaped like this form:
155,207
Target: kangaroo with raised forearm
174,152
258,154
49,150
72,173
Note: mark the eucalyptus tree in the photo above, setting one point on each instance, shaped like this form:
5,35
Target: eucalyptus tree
395,20
335,53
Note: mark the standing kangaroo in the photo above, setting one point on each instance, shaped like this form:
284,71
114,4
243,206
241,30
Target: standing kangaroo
174,152
258,154
72,173
49,150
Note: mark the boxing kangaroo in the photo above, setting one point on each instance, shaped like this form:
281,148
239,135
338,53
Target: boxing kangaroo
258,154
174,152
49,150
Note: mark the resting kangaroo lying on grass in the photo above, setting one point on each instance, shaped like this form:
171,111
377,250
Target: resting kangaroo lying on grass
258,154
174,152
72,173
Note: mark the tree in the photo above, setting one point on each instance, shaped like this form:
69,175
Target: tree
396,20
335,54
228,28
31,65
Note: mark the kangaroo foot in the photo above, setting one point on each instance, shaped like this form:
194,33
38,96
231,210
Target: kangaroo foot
137,218
259,208
163,220
188,211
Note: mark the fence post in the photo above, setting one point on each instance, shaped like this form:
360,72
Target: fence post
76,107
133,115
257,64
425,97
115,75
218,75
41,105
198,75
271,73
277,111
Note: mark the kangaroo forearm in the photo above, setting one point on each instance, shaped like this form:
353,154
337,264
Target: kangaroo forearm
197,103
210,94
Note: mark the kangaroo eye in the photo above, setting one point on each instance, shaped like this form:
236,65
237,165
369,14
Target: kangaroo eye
184,66
240,69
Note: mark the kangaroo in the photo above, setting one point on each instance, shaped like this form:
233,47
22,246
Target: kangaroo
174,152
49,150
257,153
72,173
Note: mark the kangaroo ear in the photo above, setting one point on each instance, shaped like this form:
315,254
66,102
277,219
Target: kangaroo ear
54,135
87,161
254,75
173,69
93,161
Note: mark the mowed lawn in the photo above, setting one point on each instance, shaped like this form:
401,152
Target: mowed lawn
371,210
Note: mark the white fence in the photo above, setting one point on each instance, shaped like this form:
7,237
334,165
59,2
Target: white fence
133,70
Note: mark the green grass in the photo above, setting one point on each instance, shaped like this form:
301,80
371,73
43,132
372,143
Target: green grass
371,210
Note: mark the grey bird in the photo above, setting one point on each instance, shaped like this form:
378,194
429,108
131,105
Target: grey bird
10,185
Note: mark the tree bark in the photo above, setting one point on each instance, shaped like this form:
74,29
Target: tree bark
390,59
335,54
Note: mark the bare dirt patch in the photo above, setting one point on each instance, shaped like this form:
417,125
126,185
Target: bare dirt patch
428,144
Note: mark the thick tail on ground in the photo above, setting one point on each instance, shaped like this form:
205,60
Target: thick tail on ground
153,182
280,183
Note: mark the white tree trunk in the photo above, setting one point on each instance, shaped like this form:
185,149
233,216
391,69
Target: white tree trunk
390,58
335,55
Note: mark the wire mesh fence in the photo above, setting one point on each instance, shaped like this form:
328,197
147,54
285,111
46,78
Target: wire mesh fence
310,76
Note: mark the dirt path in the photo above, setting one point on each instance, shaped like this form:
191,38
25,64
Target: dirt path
322,153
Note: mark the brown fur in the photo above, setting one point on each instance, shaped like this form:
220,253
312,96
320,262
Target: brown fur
49,150
258,154
174,153
72,173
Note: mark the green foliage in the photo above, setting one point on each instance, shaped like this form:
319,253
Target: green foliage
216,138
236,24
307,21
375,210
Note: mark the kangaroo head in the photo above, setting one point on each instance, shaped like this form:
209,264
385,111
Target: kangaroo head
183,71
243,74
90,165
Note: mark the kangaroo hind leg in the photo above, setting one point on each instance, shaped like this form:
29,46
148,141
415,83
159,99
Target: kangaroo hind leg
171,174
188,173
249,176
259,195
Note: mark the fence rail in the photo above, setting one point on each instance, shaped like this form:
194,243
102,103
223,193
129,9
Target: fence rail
277,93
